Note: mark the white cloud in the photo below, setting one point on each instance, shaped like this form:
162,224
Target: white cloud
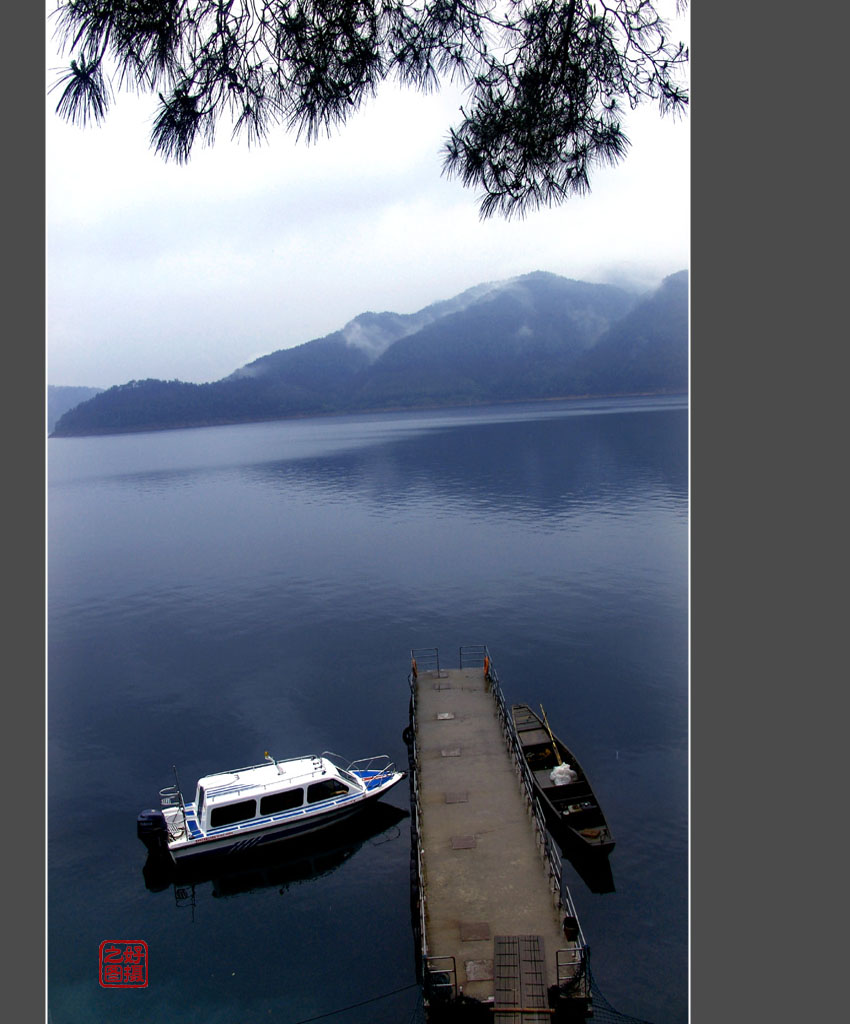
159,270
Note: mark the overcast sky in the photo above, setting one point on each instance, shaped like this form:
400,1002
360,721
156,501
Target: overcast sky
189,272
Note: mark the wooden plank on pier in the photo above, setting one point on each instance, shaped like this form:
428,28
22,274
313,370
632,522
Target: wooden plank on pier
519,967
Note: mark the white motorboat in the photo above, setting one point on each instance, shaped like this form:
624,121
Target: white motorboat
264,803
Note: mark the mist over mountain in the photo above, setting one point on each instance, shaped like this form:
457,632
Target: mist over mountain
61,398
539,336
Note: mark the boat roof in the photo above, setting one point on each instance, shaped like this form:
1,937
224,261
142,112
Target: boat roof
270,775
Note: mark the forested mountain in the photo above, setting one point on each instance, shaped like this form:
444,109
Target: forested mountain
533,337
60,399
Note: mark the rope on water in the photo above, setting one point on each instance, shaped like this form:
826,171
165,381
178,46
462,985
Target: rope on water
418,1015
604,1012
363,1002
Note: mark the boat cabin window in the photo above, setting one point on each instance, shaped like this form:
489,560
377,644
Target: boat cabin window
285,801
229,814
325,789
199,803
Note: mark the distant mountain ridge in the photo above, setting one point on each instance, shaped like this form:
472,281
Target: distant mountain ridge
533,337
61,398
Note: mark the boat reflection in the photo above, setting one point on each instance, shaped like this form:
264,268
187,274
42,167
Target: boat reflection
278,866
593,870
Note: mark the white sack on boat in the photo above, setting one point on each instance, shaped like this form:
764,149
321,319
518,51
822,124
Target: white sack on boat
563,775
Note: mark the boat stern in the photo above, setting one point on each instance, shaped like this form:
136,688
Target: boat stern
152,829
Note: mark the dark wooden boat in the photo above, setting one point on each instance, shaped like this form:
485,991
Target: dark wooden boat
572,811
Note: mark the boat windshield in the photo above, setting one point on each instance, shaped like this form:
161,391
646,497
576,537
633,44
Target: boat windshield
343,774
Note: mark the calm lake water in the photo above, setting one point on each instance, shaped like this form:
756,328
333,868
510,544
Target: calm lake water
220,592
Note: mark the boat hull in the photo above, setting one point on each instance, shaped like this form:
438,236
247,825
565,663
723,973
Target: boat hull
260,836
571,840
572,812
274,829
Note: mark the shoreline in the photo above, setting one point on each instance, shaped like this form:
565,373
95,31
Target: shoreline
430,407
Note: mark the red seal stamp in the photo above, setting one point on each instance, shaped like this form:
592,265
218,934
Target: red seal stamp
123,963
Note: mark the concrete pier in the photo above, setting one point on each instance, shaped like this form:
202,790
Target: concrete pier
493,914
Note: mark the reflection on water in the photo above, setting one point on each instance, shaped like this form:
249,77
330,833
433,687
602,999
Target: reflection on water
526,470
594,870
216,593
279,866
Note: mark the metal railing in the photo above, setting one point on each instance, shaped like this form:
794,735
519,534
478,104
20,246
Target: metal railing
417,873
440,982
576,955
171,798
473,656
374,767
570,967
424,659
